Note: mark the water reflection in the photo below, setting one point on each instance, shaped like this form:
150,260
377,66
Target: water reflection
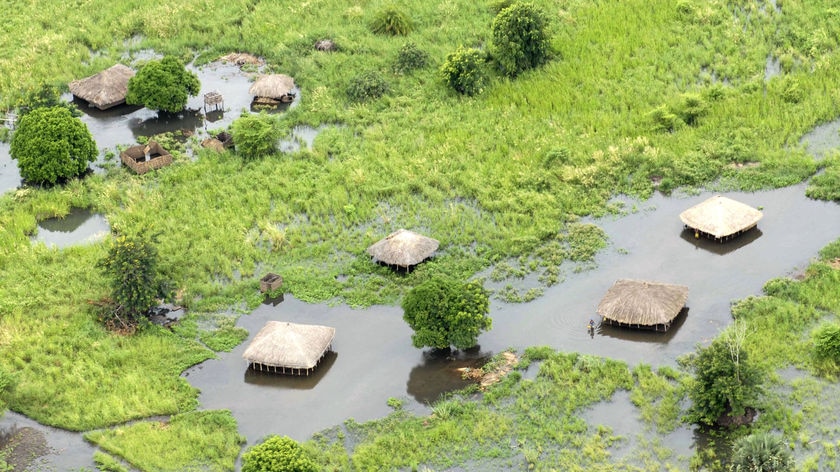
78,226
439,374
108,113
721,248
185,121
300,382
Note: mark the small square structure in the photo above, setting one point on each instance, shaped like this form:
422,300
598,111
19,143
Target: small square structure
143,158
270,282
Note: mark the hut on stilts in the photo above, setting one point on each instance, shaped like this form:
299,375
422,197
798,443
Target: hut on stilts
720,219
642,304
289,348
104,90
403,249
273,89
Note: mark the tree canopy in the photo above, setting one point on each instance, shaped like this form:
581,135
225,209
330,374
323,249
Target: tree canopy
131,268
163,85
50,144
444,313
520,38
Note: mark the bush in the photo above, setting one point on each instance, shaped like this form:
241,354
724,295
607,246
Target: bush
255,135
50,145
444,313
761,452
827,342
410,58
163,85
520,38
367,86
131,269
391,20
464,71
277,454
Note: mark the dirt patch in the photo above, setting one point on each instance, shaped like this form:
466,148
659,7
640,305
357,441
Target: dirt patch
22,446
243,58
499,368
835,264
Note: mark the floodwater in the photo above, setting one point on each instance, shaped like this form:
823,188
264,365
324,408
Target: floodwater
44,447
374,359
79,226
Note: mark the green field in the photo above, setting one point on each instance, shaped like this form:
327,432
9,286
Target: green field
638,95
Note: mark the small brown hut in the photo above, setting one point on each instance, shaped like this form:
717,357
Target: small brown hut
642,304
720,218
289,348
403,248
143,158
105,89
273,89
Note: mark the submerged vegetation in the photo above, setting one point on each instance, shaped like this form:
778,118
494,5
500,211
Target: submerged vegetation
638,95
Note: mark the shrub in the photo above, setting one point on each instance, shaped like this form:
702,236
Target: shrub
255,135
163,85
277,454
664,120
50,144
444,313
827,342
367,86
464,71
761,452
391,20
520,38
410,58
691,107
131,269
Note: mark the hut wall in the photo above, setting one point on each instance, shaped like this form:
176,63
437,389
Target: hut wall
135,157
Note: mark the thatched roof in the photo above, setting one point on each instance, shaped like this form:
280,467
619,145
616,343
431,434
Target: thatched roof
403,248
290,345
274,86
105,89
638,302
720,216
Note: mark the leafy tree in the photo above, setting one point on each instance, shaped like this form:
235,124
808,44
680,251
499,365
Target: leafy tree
277,454
131,268
50,144
726,382
255,135
463,70
163,85
443,313
520,38
761,452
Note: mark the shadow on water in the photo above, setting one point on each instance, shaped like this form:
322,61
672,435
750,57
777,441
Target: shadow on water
720,248
302,382
439,374
79,226
644,335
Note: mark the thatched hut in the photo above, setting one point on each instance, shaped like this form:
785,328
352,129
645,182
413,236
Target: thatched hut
403,248
289,348
105,89
273,89
642,304
720,218
143,158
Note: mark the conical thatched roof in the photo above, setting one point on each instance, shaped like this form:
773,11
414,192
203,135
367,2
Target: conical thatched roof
403,248
105,89
274,86
290,345
638,302
720,217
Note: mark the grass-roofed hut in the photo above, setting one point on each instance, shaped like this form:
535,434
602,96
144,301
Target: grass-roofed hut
642,304
720,218
403,248
289,348
105,89
273,89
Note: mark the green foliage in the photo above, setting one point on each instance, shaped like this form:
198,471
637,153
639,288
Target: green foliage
107,463
131,269
367,86
7,384
256,135
444,313
410,58
43,96
761,452
826,339
826,186
225,337
163,85
277,454
463,71
520,38
392,21
51,145
726,381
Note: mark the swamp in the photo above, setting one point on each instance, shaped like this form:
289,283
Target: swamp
547,186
